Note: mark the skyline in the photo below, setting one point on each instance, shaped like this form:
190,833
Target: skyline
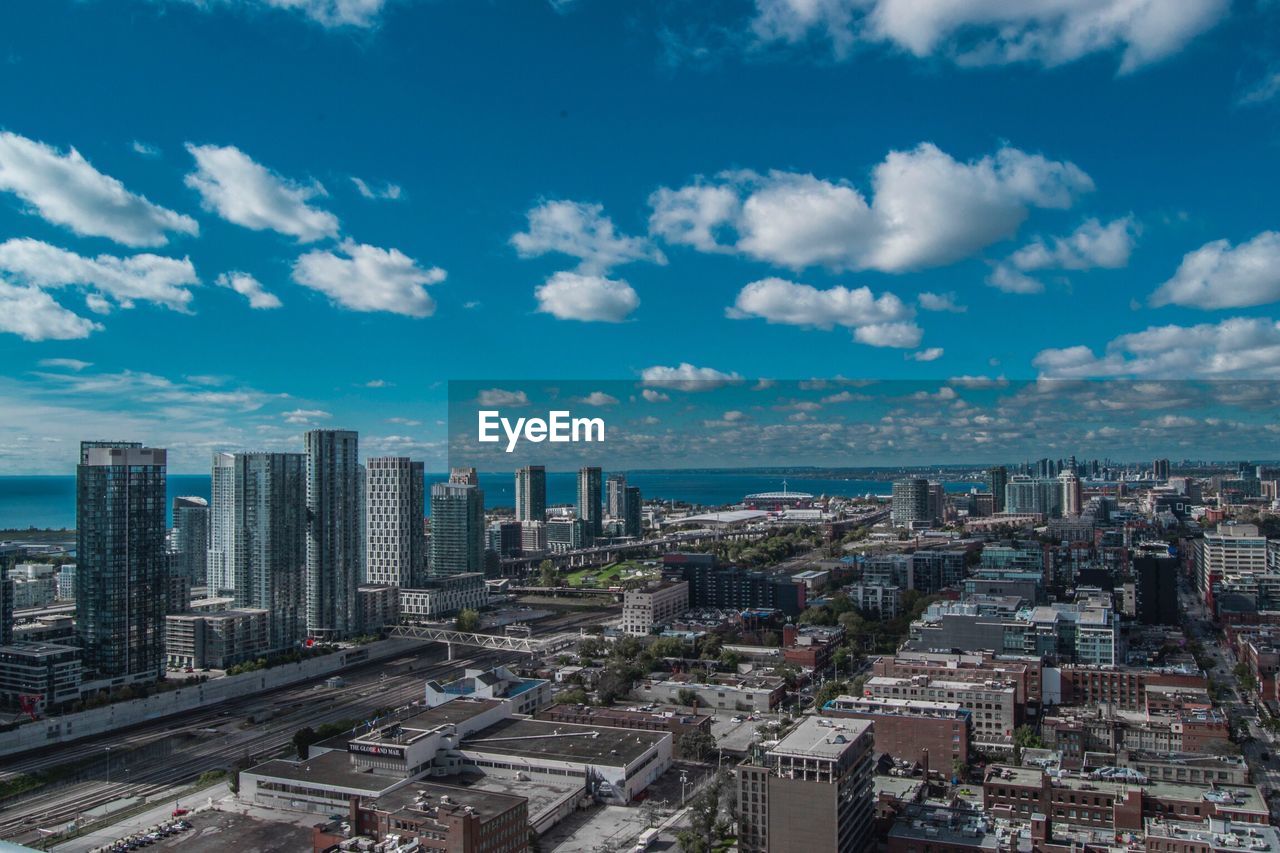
734,190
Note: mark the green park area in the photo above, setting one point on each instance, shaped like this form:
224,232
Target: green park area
612,575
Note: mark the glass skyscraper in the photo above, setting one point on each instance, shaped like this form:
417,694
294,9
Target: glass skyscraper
121,560
457,529
589,504
531,493
335,533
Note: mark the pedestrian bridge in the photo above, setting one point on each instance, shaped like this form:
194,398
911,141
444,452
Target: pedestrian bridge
494,642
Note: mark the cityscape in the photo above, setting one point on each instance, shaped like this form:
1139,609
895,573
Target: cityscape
336,651
610,426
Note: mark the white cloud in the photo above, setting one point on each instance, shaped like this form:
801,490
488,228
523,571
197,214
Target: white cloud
1009,280
584,232
930,354
653,396
599,398
66,363
377,383
502,397
686,377
589,298
360,14
875,320
65,189
145,149
899,335
367,278
996,32
305,417
250,288
33,315
1219,275
143,277
246,193
405,421
1247,347
1263,90
941,302
388,191
927,209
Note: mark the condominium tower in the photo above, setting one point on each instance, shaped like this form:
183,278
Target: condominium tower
335,532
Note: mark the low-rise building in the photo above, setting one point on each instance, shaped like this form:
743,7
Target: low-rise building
523,695
932,734
992,704
1211,835
216,640
379,606
811,646
754,693
644,610
39,676
439,597
678,722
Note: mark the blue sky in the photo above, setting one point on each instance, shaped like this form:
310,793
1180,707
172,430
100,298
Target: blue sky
285,213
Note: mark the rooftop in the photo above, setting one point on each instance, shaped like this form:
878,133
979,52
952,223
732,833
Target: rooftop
540,739
821,737
425,796
329,770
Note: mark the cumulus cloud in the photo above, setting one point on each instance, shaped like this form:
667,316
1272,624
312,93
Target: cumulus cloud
33,315
66,363
581,231
995,32
941,302
359,14
66,190
1247,347
930,354
686,377
387,191
246,193
926,209
502,397
366,278
652,396
875,320
599,398
589,298
143,277
1219,275
250,288
1093,245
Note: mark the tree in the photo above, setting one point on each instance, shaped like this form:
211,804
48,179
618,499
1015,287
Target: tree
468,620
1025,737
302,740
547,574
829,691
686,697
576,696
697,745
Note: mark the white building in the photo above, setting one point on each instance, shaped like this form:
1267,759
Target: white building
442,596
993,704
645,609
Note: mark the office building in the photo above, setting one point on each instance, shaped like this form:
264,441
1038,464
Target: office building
122,560
504,538
810,791
39,675
533,537
1160,469
993,705
1156,589
444,596
1072,494
6,605
335,533
216,640
997,479
589,506
933,734
735,588
395,493
189,539
567,534
457,529
531,493
259,546
464,476
67,582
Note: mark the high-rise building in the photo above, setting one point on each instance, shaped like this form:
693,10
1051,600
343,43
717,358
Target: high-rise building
464,476
531,493
1072,493
1156,588
457,529
997,479
632,512
589,504
335,532
1025,494
809,791
395,496
910,502
615,495
259,522
189,539
6,605
1160,469
121,559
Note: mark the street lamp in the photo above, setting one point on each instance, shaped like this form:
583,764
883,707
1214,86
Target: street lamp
108,765
684,781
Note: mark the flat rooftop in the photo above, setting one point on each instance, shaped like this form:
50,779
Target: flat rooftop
330,770
821,737
556,741
483,802
449,713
